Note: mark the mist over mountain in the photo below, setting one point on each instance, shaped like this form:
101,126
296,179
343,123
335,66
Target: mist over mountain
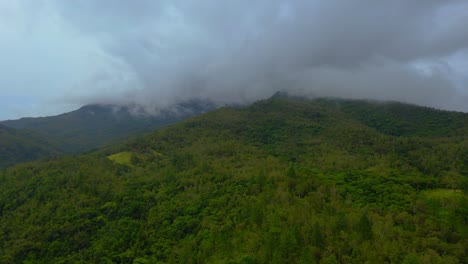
234,131
157,53
94,126
244,51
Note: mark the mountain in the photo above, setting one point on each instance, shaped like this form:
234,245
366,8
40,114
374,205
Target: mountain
22,146
280,181
94,126
399,119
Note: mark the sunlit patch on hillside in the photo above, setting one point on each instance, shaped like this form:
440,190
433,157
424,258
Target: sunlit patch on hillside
443,194
123,158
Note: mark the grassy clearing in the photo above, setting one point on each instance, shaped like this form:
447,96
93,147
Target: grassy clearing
443,194
123,158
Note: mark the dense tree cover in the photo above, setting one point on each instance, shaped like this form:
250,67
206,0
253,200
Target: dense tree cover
94,126
281,181
22,146
398,119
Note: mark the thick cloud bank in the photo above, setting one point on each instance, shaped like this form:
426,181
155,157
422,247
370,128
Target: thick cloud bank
155,53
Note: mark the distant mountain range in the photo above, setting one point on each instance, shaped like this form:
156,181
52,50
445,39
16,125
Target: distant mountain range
90,127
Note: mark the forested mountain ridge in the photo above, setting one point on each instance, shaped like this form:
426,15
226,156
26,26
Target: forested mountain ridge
94,126
399,119
19,145
280,181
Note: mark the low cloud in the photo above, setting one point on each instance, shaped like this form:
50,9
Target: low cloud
156,53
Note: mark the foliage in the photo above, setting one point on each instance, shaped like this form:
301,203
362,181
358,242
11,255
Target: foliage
22,146
280,181
124,158
399,119
94,126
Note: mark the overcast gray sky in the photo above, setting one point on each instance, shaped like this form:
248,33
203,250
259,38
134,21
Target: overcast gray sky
56,55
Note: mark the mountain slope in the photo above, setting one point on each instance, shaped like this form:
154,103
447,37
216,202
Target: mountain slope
281,181
94,126
22,145
399,119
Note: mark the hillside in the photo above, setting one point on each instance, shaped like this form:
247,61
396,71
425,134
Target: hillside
22,146
399,119
94,126
280,181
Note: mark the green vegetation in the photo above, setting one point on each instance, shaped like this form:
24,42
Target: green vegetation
444,194
95,126
123,158
281,181
22,146
398,119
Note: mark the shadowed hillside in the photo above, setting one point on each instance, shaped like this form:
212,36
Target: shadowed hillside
90,127
22,146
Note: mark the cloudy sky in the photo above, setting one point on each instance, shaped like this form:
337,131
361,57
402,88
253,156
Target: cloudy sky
56,55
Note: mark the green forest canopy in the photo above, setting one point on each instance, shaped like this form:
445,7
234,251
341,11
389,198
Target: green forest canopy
280,181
